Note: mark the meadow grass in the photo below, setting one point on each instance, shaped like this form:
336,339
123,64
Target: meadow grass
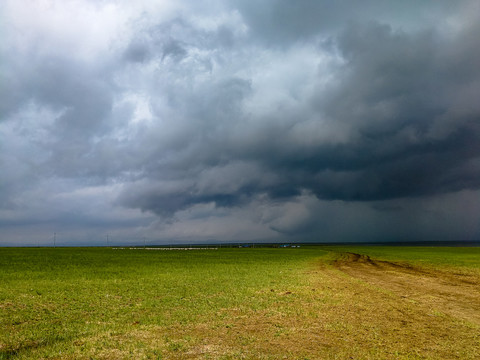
71,301
262,303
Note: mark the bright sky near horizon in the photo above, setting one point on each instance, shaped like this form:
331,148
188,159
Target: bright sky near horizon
219,120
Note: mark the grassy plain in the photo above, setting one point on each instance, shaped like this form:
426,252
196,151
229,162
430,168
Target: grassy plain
262,303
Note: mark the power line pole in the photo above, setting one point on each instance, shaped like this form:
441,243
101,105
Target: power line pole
107,239
54,239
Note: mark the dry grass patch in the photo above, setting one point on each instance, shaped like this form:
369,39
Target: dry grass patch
349,311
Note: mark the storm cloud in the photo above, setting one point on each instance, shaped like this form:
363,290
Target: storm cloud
193,121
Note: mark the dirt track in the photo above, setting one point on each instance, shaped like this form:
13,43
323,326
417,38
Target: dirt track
454,293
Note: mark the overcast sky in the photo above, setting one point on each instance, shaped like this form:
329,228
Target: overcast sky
274,120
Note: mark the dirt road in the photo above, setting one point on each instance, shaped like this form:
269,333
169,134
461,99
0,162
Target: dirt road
454,293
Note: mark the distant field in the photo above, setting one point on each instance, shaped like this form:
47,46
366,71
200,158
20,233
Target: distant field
262,303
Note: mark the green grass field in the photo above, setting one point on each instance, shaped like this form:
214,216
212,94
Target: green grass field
262,303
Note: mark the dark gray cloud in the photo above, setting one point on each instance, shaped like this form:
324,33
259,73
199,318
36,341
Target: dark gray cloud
282,22
393,96
241,120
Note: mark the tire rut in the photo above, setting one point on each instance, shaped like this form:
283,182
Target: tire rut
450,293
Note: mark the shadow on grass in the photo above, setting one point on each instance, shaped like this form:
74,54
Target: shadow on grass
13,352
8,354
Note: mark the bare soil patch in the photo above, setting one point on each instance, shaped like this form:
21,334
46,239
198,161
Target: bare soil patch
455,293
